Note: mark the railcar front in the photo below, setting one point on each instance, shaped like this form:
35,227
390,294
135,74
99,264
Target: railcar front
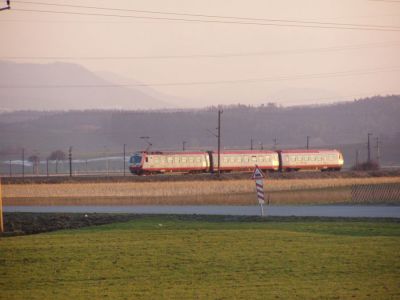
311,159
246,160
136,163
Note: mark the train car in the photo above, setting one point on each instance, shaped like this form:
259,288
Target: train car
245,160
324,160
142,163
156,162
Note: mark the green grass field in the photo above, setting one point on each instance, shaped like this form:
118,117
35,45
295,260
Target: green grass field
174,258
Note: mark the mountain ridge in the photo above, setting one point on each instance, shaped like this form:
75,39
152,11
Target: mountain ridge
88,90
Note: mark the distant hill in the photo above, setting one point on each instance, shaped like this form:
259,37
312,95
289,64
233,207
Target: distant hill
344,126
65,98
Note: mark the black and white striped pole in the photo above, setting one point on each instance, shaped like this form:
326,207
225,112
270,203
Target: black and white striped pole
258,176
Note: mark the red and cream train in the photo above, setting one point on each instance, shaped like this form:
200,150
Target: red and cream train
146,162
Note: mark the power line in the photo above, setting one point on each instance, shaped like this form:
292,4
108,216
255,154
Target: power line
393,1
252,80
205,15
371,28
220,55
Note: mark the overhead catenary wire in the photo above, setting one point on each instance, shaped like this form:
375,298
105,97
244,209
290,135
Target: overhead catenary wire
234,81
206,15
393,1
371,28
217,55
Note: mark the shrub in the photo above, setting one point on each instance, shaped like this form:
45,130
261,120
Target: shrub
367,166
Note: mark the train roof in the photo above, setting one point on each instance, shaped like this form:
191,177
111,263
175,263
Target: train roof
249,152
173,152
306,151
246,152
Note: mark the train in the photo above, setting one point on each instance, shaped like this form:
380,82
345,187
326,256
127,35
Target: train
159,162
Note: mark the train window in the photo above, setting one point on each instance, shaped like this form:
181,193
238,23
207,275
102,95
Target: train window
198,159
246,159
306,158
312,158
190,159
156,159
261,159
184,159
254,158
169,159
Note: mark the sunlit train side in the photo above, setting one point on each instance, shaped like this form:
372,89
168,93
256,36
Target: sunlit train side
168,162
245,160
324,160
142,163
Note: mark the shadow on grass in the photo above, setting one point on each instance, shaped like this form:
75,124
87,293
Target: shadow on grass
32,223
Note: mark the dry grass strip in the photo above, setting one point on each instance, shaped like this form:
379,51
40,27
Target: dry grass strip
193,192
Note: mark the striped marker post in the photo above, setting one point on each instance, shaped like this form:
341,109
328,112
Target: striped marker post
258,176
1,211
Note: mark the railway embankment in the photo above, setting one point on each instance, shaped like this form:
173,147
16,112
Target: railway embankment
193,177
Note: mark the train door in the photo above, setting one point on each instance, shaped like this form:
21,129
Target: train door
280,161
210,161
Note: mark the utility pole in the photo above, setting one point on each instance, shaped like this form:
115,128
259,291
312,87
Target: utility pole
369,147
378,152
261,146
124,159
70,161
23,162
275,143
308,142
1,211
219,141
10,169
183,145
357,153
47,167
251,143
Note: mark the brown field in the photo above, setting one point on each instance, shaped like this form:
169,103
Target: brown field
195,177
234,192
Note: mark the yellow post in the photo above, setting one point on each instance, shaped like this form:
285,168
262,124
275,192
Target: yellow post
1,211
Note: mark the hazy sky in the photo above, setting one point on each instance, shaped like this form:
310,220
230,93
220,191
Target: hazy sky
252,63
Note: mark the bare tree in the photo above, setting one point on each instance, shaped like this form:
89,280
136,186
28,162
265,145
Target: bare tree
35,160
57,155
